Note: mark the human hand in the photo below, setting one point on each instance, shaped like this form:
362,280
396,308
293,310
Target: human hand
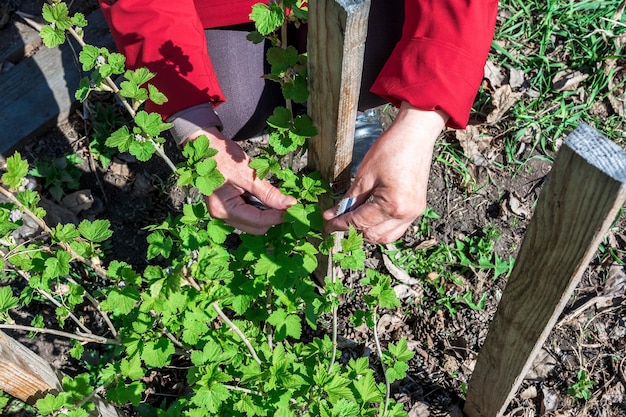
391,182
229,202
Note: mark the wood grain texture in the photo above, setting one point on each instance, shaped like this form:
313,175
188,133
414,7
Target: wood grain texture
582,196
27,376
38,93
336,43
23,374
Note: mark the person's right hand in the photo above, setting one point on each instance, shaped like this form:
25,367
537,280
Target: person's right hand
228,202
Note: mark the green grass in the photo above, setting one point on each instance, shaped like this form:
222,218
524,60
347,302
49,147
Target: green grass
543,38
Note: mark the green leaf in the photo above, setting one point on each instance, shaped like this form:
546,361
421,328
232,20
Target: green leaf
49,404
17,168
338,388
78,387
282,59
303,126
297,90
89,57
65,232
58,265
52,37
207,183
280,119
267,17
367,389
264,166
132,368
286,324
121,300
156,96
157,354
96,231
210,398
131,393
139,76
57,14
142,150
7,300
151,123
401,350
120,139
159,244
298,215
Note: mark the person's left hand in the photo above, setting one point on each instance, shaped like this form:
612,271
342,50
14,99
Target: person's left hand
391,182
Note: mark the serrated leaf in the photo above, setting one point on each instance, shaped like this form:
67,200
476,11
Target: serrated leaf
338,388
96,231
281,59
157,354
89,57
121,300
151,123
207,183
297,91
142,150
58,265
367,389
17,168
120,139
210,398
159,244
155,95
267,17
52,37
280,119
7,300
286,324
126,393
132,368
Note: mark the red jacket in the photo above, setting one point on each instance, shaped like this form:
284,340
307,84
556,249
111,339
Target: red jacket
438,63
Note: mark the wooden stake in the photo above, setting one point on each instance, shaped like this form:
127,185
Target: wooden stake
336,43
27,376
584,192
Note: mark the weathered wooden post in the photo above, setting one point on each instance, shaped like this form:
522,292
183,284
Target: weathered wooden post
337,30
583,194
27,376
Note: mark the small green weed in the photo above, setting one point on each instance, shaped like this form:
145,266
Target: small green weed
60,174
581,388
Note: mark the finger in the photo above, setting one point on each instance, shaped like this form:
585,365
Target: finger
271,196
227,203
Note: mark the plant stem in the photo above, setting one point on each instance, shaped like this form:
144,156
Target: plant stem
331,273
236,330
53,300
97,269
382,363
89,338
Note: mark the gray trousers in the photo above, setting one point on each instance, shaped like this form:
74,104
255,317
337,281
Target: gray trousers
250,99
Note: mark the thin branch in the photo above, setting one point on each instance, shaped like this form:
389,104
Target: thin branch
234,328
89,338
382,363
331,273
97,269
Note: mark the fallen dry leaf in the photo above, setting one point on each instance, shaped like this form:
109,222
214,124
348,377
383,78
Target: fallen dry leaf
516,78
479,148
568,80
419,409
494,74
78,201
503,99
398,273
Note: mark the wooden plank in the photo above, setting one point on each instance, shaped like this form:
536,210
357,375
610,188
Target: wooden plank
336,43
27,376
583,194
38,92
23,374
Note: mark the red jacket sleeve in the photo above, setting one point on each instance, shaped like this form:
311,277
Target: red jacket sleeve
439,61
168,38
